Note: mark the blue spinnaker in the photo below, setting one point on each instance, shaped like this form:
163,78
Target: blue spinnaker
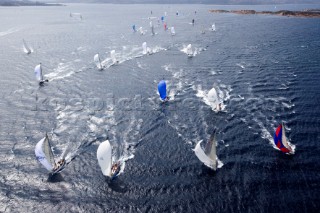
162,88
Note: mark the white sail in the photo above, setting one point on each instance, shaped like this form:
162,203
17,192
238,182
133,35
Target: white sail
144,48
26,47
104,155
213,99
113,56
96,59
44,153
173,32
189,50
208,161
152,28
213,27
141,31
38,72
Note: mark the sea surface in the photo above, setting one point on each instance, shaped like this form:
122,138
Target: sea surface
265,69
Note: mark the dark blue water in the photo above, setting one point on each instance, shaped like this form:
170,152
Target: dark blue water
264,68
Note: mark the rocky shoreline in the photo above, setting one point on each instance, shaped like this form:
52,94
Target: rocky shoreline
315,13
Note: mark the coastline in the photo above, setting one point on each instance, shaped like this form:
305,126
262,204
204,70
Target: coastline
312,13
26,3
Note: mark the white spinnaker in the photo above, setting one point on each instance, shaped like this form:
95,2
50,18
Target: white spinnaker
104,155
144,48
203,157
96,59
42,153
26,47
38,72
173,32
189,50
113,56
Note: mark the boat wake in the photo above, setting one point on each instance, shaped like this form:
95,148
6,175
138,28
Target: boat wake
9,31
86,127
215,97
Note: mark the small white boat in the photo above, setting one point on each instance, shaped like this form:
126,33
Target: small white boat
213,27
97,61
145,49
38,74
26,47
282,142
109,167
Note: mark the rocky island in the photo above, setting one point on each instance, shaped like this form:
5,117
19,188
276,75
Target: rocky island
26,3
305,13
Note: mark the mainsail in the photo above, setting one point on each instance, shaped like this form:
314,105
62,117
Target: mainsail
96,59
26,47
189,50
211,151
144,48
213,27
38,72
44,153
173,32
113,56
209,159
280,139
104,155
152,28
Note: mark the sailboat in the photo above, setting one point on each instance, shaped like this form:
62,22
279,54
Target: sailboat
39,76
108,167
213,27
173,32
113,57
209,155
213,99
281,140
189,50
45,156
26,48
141,31
145,49
162,89
76,15
97,60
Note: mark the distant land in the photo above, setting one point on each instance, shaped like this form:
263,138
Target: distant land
26,3
304,13
212,2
